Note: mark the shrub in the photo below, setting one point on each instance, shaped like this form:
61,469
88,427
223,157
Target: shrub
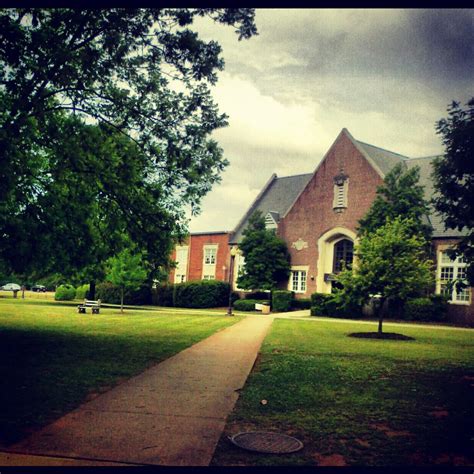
281,300
318,303
433,308
109,293
82,292
303,303
248,305
162,295
65,293
201,294
258,295
323,304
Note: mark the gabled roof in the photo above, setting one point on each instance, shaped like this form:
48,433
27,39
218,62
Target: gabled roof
276,197
384,159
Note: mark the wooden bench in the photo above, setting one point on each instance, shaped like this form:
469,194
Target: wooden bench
94,305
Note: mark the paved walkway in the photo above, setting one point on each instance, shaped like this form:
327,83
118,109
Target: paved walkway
172,414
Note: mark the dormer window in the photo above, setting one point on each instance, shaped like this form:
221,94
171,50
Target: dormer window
271,220
341,185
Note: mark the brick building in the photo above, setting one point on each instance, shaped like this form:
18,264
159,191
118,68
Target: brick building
317,215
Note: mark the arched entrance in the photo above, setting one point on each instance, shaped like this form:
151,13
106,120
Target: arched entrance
335,248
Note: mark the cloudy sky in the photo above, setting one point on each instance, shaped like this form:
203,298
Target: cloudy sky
385,75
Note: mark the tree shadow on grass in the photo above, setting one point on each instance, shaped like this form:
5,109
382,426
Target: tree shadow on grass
381,335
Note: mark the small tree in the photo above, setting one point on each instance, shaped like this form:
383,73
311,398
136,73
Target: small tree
267,261
400,195
126,271
390,262
454,178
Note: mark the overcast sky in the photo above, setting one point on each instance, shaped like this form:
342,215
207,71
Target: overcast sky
385,75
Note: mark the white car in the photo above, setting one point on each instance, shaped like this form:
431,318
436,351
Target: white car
11,287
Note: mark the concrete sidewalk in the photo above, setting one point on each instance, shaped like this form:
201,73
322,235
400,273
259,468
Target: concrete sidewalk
172,414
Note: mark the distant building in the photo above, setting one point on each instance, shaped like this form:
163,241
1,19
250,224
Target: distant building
317,215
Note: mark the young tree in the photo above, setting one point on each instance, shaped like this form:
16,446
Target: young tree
400,195
454,178
126,271
390,262
267,261
87,96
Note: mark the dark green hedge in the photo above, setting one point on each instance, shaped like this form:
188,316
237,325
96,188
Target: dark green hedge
248,305
162,295
323,304
433,308
201,294
108,293
302,303
281,300
258,295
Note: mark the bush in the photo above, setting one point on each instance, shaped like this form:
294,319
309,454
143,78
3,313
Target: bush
318,303
65,293
82,292
433,308
258,295
162,295
323,304
201,294
109,293
248,305
303,303
281,300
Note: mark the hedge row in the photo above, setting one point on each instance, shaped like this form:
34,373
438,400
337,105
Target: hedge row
323,304
193,294
109,293
248,305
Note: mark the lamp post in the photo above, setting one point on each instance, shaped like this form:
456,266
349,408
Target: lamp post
233,253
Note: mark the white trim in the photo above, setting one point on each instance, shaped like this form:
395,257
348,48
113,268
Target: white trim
294,269
209,269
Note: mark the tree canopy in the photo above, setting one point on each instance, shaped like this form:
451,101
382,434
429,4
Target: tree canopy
454,177
267,260
106,118
400,195
390,262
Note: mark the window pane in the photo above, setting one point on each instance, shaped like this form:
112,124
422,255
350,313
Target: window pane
447,273
294,285
303,281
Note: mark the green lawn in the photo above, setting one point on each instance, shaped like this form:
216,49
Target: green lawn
359,402
52,358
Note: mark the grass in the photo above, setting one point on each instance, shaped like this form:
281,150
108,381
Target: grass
52,358
357,401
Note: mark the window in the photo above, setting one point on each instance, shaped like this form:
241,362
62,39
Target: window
343,253
209,262
210,255
341,186
182,264
449,272
298,281
270,220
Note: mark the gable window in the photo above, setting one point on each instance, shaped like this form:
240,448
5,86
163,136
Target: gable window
209,262
343,254
341,186
450,271
271,220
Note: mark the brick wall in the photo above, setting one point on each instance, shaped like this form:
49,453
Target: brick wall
312,215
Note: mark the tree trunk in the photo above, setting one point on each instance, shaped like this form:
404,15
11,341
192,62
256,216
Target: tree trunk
121,300
380,313
91,290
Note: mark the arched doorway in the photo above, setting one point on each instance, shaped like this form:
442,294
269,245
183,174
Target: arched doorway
335,248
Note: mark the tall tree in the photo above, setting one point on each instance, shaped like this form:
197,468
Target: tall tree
390,262
267,260
126,270
454,178
105,124
400,195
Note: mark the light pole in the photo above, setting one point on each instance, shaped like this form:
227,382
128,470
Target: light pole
233,253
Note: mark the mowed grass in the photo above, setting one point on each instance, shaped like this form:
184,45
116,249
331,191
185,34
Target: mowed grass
359,402
52,358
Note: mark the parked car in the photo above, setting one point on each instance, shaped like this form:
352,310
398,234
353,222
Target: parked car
38,288
11,287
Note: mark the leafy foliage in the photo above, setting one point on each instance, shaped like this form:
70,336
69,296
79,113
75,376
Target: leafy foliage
105,124
281,300
201,294
400,195
65,293
454,177
248,305
267,261
426,309
110,293
391,262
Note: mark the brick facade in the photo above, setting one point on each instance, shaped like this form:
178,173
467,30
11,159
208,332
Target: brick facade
196,243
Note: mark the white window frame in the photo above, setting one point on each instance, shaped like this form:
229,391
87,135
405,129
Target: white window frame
456,269
209,261
301,273
181,268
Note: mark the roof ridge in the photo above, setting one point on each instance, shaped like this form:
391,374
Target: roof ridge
384,149
425,157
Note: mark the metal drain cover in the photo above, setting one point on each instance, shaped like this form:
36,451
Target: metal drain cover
265,442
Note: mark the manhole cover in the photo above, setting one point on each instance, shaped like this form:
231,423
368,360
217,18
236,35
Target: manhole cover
264,442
